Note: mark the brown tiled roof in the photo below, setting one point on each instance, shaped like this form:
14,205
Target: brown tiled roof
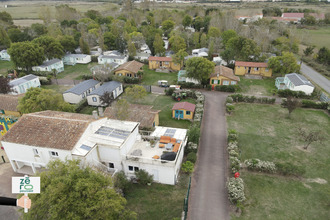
184,105
49,129
137,113
250,64
132,66
9,102
224,71
168,59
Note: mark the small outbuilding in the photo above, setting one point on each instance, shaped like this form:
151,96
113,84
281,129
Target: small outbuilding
183,110
73,59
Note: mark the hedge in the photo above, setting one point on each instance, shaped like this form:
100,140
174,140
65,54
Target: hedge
312,104
227,88
252,99
297,94
190,85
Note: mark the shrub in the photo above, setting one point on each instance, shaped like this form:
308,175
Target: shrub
290,169
252,99
188,167
226,88
82,104
120,181
232,137
234,164
232,146
169,91
131,80
259,165
192,157
233,153
44,81
236,190
312,104
87,76
297,94
230,108
209,87
144,177
194,134
190,85
229,99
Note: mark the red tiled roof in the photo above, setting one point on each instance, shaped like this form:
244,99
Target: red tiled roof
168,59
132,66
224,71
293,15
184,105
9,102
250,64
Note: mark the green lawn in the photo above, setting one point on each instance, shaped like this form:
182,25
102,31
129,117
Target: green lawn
76,71
5,66
319,38
165,104
158,201
57,88
266,133
151,77
262,87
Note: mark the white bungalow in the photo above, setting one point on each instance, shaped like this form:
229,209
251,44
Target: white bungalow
73,59
4,55
103,59
113,87
295,82
21,85
201,52
37,138
50,65
80,91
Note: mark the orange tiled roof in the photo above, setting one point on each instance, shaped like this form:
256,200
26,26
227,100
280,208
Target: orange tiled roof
9,102
224,71
168,59
250,64
184,105
132,66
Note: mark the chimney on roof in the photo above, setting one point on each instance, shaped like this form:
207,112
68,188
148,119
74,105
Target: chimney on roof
95,115
101,113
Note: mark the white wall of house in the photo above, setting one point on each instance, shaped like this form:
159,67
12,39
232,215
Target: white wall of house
59,67
304,88
23,87
72,98
104,60
94,100
84,60
31,155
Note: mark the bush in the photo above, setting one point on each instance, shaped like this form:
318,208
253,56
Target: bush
120,181
190,85
227,88
194,134
229,99
82,104
94,59
297,94
290,169
312,104
236,190
209,87
169,91
259,165
87,76
192,157
144,177
131,80
252,99
230,108
234,164
187,167
232,137
44,81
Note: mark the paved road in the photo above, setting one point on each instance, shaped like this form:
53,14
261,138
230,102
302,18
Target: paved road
208,198
315,77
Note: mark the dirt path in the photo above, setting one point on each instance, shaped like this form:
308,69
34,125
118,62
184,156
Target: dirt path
208,198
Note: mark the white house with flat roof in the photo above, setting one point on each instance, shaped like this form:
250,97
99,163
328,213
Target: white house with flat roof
21,85
112,145
50,65
79,92
73,59
295,82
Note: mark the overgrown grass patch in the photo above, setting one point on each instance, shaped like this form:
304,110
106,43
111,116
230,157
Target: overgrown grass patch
57,88
158,201
5,66
76,71
262,87
151,77
265,132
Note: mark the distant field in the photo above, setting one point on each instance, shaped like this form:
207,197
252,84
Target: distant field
319,38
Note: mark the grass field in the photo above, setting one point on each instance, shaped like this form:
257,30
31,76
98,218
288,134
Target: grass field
266,133
165,104
57,88
151,77
158,201
262,87
76,71
5,66
319,38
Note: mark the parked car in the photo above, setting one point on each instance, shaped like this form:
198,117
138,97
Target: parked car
162,83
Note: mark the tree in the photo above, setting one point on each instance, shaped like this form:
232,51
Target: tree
52,47
310,136
128,5
291,104
26,55
106,98
309,50
158,45
109,40
37,30
16,35
227,35
168,26
84,46
177,43
45,15
198,23
179,56
214,32
131,49
4,39
203,40
121,109
4,85
37,99
68,43
186,21
6,18
93,14
199,68
72,192
323,56
136,92
284,64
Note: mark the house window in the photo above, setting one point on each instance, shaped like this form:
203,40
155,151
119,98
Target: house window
53,153
225,82
35,151
233,82
136,169
267,69
83,95
187,112
94,99
111,165
119,88
256,68
245,67
130,168
166,63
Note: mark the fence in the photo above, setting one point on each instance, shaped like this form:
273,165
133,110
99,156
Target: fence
324,97
185,201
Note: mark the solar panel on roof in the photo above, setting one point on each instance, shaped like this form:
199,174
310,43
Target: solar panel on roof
85,147
170,132
112,132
